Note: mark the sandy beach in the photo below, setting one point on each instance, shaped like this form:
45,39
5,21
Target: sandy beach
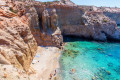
45,66
45,63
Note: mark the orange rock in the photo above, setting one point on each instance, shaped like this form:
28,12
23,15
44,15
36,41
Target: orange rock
73,70
5,75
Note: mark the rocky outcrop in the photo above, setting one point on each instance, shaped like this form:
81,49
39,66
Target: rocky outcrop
21,22
82,21
24,0
112,13
48,34
17,44
68,2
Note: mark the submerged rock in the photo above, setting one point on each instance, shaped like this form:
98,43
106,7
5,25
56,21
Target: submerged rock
70,53
108,72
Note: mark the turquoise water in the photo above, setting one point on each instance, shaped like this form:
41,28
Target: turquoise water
91,60
119,26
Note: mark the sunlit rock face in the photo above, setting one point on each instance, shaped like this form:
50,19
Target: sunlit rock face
17,44
82,21
112,13
24,0
48,33
88,24
68,2
23,25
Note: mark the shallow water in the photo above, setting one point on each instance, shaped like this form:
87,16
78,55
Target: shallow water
91,60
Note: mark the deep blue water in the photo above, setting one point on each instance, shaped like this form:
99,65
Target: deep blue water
91,60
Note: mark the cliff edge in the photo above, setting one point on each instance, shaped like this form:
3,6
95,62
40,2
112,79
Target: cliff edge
17,44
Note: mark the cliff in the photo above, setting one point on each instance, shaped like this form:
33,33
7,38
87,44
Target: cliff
21,32
68,2
112,13
24,25
17,44
82,21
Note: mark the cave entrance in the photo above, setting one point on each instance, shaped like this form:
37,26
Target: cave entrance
118,25
72,38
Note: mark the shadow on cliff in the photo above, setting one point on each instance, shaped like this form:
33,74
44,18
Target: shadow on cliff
76,38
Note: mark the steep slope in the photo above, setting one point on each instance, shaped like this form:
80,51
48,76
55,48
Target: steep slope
112,13
17,44
47,22
82,21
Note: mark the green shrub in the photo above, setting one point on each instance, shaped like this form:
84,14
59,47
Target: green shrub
14,11
104,20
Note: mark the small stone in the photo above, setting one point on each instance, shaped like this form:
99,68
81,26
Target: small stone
4,69
55,78
99,48
73,70
108,72
5,75
93,78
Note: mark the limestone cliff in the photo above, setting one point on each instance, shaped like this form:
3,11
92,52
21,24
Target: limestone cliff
22,24
82,21
68,2
17,44
112,13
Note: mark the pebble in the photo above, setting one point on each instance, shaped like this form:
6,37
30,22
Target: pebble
34,61
93,78
108,72
5,75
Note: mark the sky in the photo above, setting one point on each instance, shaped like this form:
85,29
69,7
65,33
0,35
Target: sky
99,3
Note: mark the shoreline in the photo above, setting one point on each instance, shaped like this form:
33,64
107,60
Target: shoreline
46,63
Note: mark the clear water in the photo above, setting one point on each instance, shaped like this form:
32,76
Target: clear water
91,60
119,26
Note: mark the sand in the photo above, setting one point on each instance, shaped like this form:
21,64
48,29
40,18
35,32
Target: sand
45,65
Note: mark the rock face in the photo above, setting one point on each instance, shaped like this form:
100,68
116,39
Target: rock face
17,44
68,2
24,0
112,13
87,22
21,22
48,34
91,24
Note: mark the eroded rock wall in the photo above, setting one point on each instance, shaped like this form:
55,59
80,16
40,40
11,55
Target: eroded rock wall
112,13
17,44
82,21
24,24
48,33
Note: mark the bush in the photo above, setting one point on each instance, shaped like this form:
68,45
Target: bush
14,11
104,20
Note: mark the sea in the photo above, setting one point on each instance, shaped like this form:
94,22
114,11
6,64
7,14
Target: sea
90,60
